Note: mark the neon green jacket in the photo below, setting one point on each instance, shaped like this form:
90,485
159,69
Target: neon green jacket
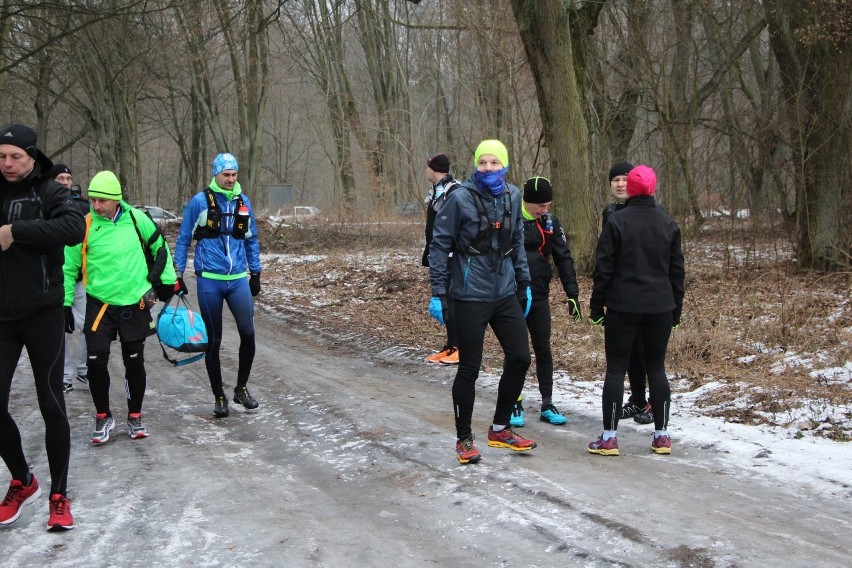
116,271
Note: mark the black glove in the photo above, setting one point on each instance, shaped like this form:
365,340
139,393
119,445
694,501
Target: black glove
676,317
180,287
165,292
254,283
597,319
524,295
69,320
574,308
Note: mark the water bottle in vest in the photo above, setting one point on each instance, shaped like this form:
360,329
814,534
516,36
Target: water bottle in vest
241,222
548,223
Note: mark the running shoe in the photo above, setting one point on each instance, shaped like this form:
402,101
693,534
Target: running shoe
135,428
67,387
451,358
242,396
60,514
645,416
604,447
550,414
436,358
103,426
220,409
83,379
630,408
507,439
17,496
517,418
662,445
466,452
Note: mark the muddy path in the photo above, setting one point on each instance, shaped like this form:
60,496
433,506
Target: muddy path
349,462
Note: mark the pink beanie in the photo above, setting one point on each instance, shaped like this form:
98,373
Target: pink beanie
641,181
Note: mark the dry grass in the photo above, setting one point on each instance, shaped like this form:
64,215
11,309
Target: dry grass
752,325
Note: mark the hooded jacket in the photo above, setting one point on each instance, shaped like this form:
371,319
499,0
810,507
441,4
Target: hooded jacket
223,258
116,267
470,277
44,220
639,262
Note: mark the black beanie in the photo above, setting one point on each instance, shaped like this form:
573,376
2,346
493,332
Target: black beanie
620,169
58,169
440,163
538,190
21,136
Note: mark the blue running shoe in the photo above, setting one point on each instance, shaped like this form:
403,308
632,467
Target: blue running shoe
517,419
550,414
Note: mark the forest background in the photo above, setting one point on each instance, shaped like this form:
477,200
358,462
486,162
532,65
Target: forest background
743,107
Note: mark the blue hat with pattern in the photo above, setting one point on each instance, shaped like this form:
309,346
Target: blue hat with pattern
225,161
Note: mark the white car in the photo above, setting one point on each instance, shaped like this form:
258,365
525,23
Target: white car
162,217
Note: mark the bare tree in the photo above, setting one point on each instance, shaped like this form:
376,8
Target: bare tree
546,32
811,44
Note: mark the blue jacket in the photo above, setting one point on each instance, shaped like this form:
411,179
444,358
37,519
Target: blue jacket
224,258
471,277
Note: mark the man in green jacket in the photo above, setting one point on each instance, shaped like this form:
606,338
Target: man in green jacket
126,267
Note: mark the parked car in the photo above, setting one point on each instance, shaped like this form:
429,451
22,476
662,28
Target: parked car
162,217
305,212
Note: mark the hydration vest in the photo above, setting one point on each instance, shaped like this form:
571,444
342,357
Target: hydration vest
213,228
481,243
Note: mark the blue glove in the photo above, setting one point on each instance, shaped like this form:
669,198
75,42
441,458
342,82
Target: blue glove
437,307
524,295
529,301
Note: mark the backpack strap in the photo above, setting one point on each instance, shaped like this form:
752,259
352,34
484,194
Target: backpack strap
156,264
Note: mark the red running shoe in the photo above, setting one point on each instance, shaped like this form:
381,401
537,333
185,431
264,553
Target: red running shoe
17,496
466,452
662,445
60,514
604,447
506,438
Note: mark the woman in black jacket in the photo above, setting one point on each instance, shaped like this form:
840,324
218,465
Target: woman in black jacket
546,244
639,278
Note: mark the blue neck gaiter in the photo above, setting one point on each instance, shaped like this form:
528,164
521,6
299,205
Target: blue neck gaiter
494,181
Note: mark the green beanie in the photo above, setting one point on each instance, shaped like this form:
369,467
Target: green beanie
105,186
493,147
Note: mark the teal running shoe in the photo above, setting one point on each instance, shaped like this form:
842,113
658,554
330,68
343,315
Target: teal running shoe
550,414
517,419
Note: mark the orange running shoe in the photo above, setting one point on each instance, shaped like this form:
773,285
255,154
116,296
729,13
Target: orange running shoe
451,358
436,358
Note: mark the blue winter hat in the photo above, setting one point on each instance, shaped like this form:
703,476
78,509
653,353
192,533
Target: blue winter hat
225,161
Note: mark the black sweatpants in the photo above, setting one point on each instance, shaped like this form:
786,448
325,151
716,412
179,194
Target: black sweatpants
620,333
43,334
507,322
539,326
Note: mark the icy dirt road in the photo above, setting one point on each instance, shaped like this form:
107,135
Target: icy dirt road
349,462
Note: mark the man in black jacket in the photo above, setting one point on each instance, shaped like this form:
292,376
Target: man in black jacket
37,221
443,183
546,245
75,347
639,278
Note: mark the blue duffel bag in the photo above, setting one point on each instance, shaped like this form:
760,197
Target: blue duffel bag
181,329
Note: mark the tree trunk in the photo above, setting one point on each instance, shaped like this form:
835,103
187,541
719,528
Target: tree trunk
544,29
815,72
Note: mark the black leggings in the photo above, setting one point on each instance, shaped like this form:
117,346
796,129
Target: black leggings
507,322
43,336
539,324
620,333
636,372
133,353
